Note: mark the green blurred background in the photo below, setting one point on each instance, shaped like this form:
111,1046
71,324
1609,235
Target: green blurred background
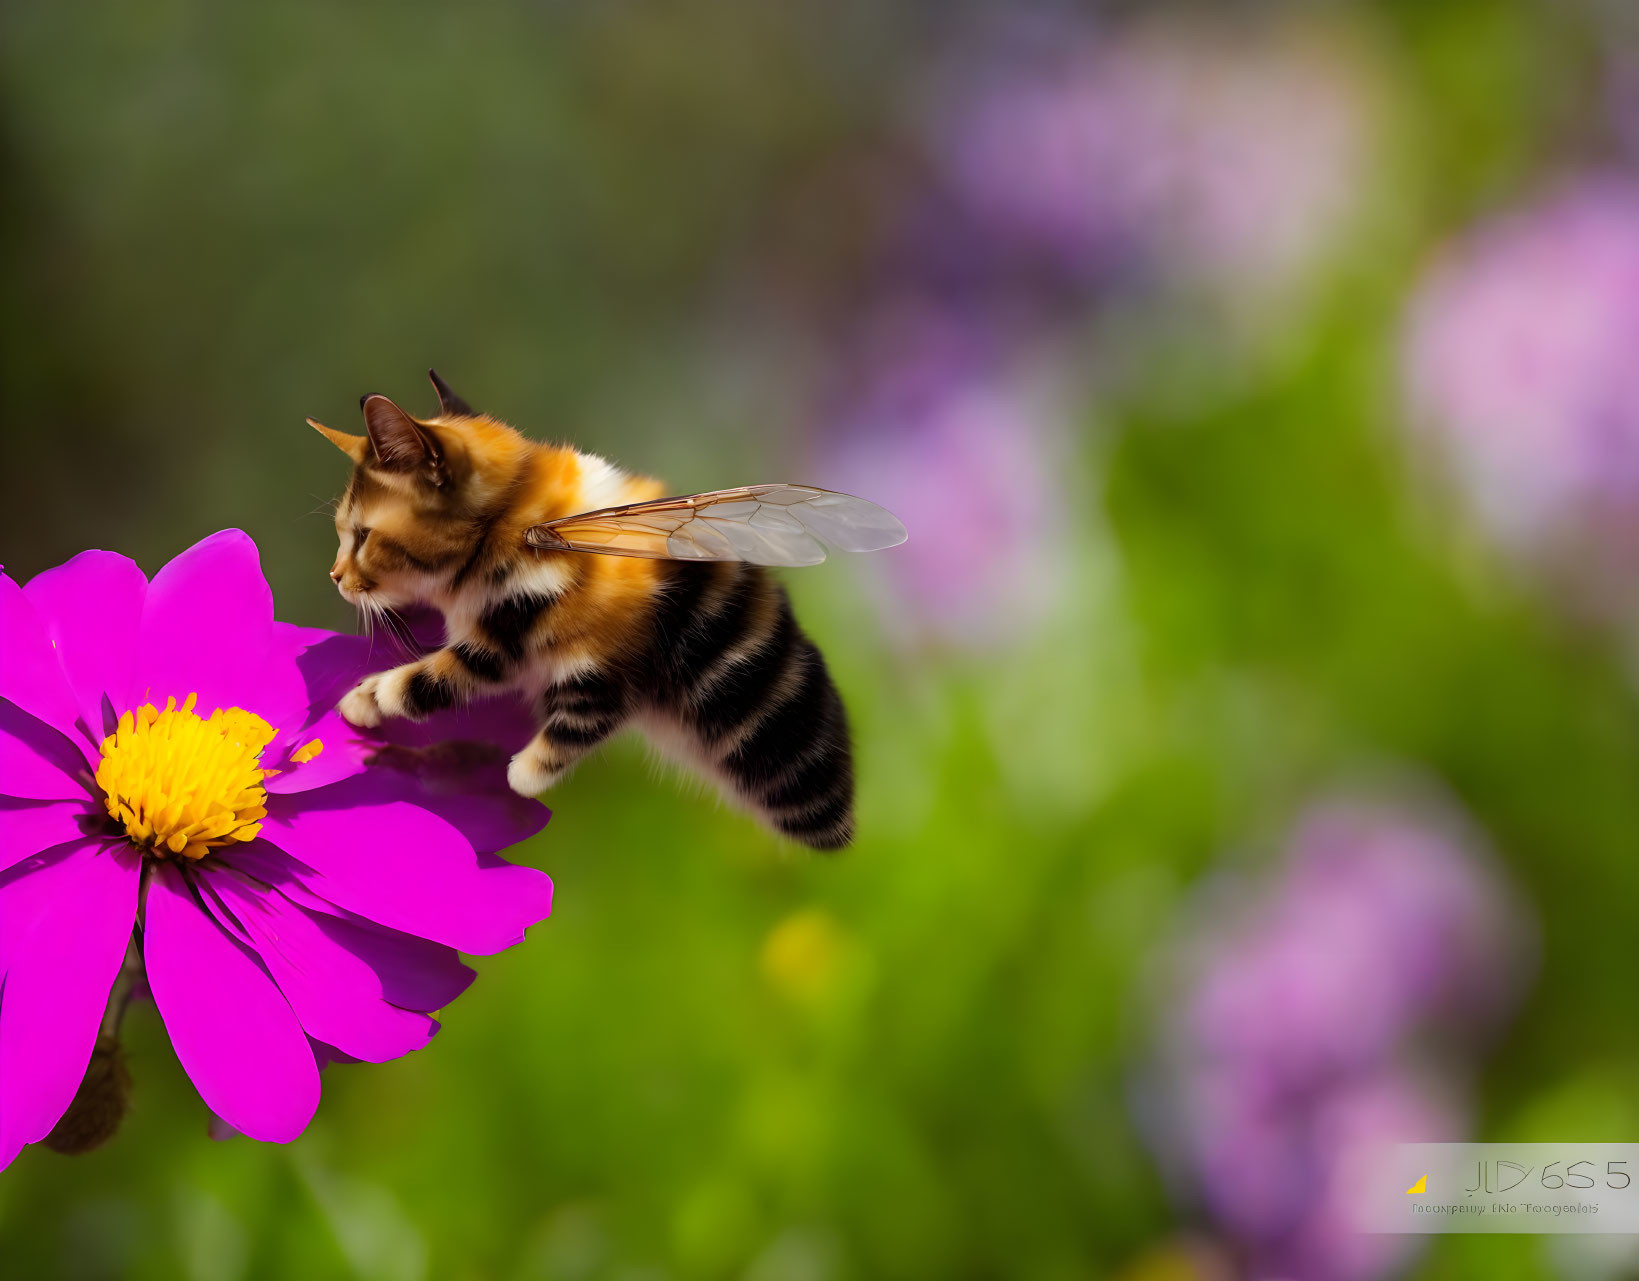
722,1058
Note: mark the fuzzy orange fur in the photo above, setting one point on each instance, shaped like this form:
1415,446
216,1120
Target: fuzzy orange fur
436,514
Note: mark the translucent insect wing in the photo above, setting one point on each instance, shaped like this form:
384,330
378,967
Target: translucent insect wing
762,524
851,524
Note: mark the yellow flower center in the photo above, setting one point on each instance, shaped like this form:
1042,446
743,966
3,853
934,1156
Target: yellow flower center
182,785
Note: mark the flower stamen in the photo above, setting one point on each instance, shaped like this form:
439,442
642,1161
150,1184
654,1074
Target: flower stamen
182,785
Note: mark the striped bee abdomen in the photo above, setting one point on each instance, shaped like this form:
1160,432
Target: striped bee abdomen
754,692
595,599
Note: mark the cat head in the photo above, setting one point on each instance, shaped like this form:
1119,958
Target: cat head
409,518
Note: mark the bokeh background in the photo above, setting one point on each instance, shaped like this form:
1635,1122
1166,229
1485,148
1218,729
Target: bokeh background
1248,735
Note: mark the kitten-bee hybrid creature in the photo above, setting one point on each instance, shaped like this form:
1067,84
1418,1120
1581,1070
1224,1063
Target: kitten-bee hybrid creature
580,588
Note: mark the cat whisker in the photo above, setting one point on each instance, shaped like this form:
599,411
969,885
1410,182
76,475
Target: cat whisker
399,629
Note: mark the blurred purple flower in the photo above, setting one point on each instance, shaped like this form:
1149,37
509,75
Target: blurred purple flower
1521,380
1340,1005
1192,154
1383,919
941,431
170,762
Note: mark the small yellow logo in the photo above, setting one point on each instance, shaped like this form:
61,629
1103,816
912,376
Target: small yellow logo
1420,1186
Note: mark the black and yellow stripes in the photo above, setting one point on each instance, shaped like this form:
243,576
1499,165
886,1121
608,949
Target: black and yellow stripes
484,664
797,761
426,692
439,512
755,693
508,625
730,693
575,716
580,713
722,658
430,684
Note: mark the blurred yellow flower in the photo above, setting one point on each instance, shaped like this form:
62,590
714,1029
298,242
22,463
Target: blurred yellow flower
804,954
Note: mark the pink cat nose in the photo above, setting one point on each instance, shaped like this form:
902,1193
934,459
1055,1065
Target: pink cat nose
335,574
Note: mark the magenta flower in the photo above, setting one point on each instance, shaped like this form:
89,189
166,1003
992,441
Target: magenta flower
174,781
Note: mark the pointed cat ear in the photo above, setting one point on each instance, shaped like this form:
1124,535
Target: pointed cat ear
401,443
448,401
355,447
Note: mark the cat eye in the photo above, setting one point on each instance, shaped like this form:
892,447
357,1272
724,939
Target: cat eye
359,535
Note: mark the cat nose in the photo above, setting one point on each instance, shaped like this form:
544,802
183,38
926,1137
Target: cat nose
335,573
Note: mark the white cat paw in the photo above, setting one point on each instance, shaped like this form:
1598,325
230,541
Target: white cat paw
527,775
360,706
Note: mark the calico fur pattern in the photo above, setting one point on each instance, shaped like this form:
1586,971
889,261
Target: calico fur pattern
706,657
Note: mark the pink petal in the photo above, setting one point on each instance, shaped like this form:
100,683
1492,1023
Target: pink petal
415,973
492,822
402,867
91,607
343,755
462,781
330,663
325,1055
26,829
301,639
335,994
502,719
30,674
236,1037
37,762
207,628
65,921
